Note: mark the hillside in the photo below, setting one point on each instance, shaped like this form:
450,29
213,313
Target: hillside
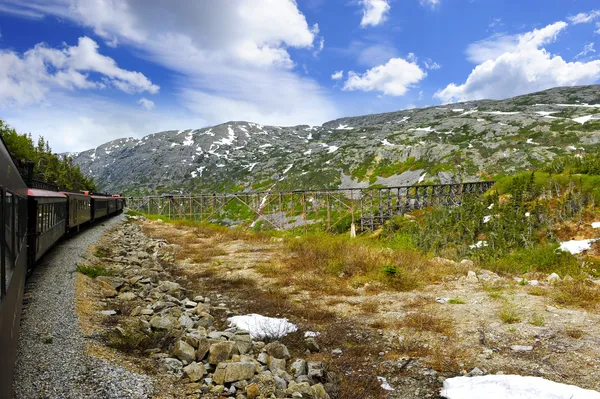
464,141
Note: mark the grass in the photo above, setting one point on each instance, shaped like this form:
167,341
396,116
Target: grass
456,301
537,320
509,314
101,252
578,293
427,321
93,271
574,333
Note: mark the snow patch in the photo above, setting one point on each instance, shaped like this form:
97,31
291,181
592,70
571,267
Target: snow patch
422,178
458,110
501,113
251,166
577,246
386,142
584,119
384,384
423,129
261,327
307,152
288,168
330,148
469,112
546,113
404,119
596,225
344,127
530,141
189,139
512,386
479,244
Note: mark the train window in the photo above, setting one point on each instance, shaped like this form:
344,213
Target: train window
9,218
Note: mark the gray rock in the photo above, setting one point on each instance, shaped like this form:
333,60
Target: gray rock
276,364
277,350
521,348
312,345
316,371
220,352
299,367
184,351
235,371
162,323
553,278
172,366
195,371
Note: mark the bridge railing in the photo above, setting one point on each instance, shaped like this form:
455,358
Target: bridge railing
329,210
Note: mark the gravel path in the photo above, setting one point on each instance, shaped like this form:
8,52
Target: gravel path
51,360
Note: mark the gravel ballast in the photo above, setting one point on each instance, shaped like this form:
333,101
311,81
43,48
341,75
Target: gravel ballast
51,360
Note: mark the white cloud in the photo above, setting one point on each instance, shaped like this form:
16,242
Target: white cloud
374,12
394,78
491,47
27,78
522,68
584,17
233,53
430,3
148,105
588,48
430,64
337,75
597,31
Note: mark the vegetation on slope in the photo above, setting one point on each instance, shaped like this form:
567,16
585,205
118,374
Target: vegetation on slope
48,167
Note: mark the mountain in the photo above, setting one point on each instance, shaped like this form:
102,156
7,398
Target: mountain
459,142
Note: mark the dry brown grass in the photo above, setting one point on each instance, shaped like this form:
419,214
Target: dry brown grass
428,321
369,307
583,294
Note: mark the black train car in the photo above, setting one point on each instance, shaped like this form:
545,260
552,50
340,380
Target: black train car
99,207
79,209
13,264
47,221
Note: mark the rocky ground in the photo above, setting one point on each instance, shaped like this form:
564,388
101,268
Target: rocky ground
52,360
473,323
141,315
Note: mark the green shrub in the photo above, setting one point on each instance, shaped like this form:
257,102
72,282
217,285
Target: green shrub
93,271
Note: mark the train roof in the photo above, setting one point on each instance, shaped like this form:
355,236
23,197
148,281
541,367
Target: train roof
101,197
36,192
70,194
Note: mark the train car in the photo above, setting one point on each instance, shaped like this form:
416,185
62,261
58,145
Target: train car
47,221
99,206
13,263
120,202
112,205
79,209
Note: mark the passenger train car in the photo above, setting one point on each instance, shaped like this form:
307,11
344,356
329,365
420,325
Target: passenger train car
32,220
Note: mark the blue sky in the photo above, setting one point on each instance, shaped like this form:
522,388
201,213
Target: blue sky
83,72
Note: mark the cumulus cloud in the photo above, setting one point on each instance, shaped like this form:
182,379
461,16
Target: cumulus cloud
337,75
584,17
430,3
224,56
148,105
523,67
374,12
394,78
27,78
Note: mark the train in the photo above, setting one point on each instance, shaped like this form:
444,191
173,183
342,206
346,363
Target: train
32,220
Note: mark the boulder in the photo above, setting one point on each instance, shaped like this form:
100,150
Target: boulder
312,345
194,371
243,343
171,366
318,392
299,387
184,351
299,368
472,277
553,278
278,350
316,371
235,371
276,364
107,290
162,323
467,263
220,352
126,296
186,321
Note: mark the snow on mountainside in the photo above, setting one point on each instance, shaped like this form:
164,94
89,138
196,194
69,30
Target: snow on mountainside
464,141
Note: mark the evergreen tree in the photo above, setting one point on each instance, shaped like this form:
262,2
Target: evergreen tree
48,167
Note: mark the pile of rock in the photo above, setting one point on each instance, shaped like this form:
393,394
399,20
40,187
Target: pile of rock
182,329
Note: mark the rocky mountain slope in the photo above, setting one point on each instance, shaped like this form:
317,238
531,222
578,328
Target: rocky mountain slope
458,142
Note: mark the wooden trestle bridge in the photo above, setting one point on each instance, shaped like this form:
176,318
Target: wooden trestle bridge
327,210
